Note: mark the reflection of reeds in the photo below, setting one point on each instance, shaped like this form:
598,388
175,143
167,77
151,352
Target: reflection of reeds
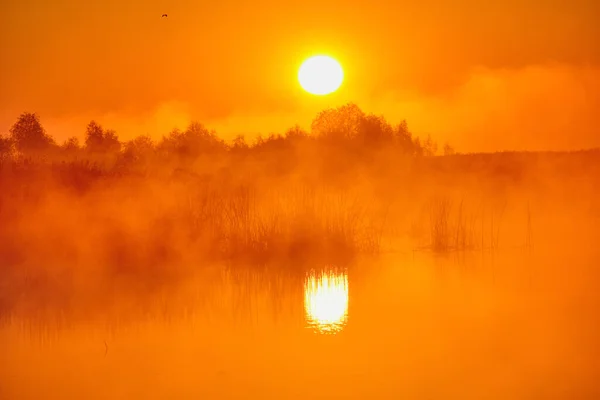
220,294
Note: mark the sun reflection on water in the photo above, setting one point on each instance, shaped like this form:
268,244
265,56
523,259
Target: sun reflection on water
326,301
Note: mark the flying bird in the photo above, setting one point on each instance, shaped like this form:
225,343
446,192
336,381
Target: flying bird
164,16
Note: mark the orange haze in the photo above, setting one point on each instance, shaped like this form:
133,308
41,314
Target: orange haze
484,76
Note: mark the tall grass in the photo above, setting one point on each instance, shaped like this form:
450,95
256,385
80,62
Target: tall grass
128,233
454,227
294,224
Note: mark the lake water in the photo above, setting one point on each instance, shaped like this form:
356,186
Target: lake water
510,325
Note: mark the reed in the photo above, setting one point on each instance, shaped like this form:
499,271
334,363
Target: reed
455,228
289,224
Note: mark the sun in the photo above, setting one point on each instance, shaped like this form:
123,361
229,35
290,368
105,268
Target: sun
320,75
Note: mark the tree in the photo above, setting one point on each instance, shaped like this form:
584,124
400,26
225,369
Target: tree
199,140
296,133
111,143
419,150
374,131
338,124
29,136
139,149
191,143
449,150
403,139
94,136
6,147
349,123
100,141
71,144
239,144
430,146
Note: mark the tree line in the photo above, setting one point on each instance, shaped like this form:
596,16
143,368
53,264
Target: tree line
346,129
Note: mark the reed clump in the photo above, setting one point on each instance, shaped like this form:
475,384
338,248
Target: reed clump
242,224
453,227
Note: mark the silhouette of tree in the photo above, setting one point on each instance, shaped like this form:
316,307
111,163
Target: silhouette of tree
296,133
71,144
349,124
429,146
6,148
239,144
139,149
338,124
375,132
100,141
403,139
196,140
418,149
71,147
258,141
29,137
94,137
344,135
448,150
111,143
274,142
166,147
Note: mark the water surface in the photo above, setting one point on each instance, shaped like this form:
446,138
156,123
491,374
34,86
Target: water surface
408,325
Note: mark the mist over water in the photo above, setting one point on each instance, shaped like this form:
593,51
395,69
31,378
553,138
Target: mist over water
479,326
349,263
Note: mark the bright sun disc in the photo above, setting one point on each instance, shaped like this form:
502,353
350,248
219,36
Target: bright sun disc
320,75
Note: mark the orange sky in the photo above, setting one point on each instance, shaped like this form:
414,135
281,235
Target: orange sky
483,75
